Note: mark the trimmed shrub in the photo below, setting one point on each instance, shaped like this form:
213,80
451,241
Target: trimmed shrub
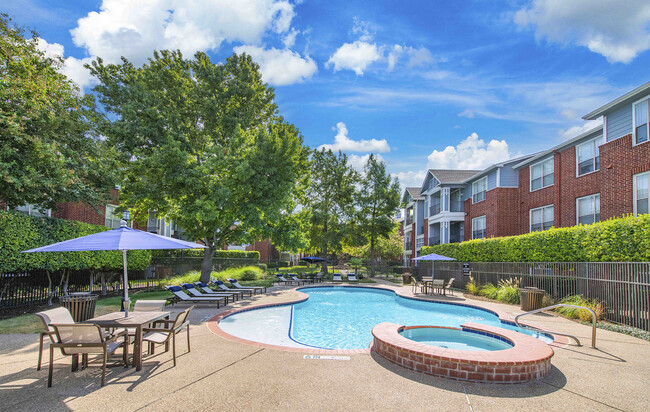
624,239
20,232
218,254
248,274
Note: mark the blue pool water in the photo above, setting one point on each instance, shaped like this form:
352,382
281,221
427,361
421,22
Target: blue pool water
455,339
343,318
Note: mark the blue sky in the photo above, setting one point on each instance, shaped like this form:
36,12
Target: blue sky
426,84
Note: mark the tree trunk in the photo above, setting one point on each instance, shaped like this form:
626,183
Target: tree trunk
324,265
65,279
103,281
50,293
206,266
372,256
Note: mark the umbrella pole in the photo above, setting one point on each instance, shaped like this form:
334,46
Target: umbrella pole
127,302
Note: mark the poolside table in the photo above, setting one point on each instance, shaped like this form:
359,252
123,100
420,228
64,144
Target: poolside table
433,284
137,320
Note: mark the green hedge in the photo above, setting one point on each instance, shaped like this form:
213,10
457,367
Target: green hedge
218,254
20,232
624,239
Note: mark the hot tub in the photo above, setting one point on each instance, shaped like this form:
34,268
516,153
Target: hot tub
453,338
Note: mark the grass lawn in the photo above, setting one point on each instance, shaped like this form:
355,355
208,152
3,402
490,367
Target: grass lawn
30,323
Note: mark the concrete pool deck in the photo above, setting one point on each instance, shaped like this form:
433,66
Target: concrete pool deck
220,374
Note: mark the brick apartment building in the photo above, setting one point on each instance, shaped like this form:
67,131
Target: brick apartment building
600,174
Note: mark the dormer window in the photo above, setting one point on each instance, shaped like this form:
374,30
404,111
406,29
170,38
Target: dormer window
641,117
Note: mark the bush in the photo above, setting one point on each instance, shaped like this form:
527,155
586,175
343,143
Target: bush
584,315
262,266
508,291
623,239
20,232
218,254
472,287
248,274
489,291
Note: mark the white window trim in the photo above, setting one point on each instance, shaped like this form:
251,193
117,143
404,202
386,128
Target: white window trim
578,159
48,212
634,198
530,217
486,190
578,205
634,143
476,218
530,174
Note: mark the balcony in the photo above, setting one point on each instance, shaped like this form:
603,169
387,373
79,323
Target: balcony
434,240
434,209
455,239
409,220
408,246
457,206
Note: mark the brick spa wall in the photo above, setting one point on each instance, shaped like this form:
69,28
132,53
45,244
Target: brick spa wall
529,359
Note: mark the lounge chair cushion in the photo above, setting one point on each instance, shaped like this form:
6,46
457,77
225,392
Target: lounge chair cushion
174,288
203,285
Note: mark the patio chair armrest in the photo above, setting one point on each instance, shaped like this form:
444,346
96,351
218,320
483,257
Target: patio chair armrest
145,330
115,336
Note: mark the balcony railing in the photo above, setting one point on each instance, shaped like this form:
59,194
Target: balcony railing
409,220
457,206
408,246
434,209
455,239
434,240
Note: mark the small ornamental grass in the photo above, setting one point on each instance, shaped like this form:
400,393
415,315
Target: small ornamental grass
583,315
508,291
473,287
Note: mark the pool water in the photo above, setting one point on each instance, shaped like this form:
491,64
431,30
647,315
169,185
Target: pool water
455,339
343,317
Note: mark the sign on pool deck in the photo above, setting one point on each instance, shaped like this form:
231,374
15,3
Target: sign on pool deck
326,357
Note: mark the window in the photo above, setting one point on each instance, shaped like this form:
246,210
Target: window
541,218
31,210
112,219
588,209
588,156
641,189
478,228
153,223
419,242
641,121
541,174
478,190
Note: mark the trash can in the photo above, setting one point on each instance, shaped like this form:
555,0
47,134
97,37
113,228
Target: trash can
406,278
80,305
531,298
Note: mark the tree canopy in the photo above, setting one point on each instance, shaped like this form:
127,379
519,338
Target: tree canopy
48,150
203,145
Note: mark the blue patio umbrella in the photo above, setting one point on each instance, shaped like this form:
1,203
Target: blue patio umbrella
123,238
433,256
312,259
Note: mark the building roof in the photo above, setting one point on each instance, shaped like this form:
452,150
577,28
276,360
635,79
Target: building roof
500,164
452,176
627,98
415,193
561,146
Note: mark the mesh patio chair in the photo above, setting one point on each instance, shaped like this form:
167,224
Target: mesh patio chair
83,339
48,317
162,335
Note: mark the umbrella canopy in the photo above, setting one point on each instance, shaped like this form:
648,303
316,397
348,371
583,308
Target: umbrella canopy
312,259
123,238
433,256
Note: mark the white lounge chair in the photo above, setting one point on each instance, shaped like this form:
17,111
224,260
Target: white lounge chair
183,297
194,292
223,286
236,294
287,281
303,281
352,278
336,277
257,289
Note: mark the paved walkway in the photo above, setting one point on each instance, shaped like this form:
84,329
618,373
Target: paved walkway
222,375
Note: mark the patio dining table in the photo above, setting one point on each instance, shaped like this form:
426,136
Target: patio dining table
433,284
137,320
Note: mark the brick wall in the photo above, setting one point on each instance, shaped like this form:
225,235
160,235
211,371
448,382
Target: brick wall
619,162
426,232
531,200
500,210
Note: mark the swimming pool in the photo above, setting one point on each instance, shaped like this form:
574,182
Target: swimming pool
342,317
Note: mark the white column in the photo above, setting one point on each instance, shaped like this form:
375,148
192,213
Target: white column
445,197
444,231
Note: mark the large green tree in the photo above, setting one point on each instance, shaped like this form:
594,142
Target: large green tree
330,200
378,201
48,153
202,144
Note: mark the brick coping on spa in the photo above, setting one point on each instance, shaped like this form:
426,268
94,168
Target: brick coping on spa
529,358
213,324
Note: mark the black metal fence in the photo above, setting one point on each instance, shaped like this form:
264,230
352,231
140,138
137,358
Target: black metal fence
623,287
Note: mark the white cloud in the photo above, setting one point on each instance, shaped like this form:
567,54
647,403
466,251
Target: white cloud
416,57
466,113
355,56
615,29
574,131
135,28
410,178
72,67
344,143
359,162
471,153
280,67
290,39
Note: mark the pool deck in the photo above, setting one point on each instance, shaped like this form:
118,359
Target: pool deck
221,374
